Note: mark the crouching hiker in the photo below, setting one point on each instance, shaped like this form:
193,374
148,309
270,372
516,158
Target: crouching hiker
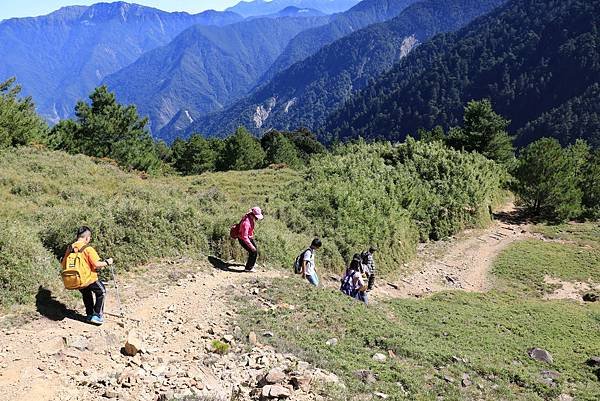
245,235
353,283
80,266
368,266
305,263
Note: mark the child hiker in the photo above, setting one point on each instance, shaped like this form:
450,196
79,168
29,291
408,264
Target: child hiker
88,263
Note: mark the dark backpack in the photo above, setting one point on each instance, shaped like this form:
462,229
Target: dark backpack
347,286
299,260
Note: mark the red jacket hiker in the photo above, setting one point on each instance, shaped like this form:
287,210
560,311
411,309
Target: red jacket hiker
246,235
246,232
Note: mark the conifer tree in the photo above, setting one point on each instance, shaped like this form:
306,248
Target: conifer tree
547,180
19,122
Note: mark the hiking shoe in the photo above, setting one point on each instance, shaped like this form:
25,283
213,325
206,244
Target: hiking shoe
97,320
252,270
88,318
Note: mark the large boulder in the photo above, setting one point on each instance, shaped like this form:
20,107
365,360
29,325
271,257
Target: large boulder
133,345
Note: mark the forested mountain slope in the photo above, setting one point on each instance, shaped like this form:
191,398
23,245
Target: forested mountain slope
204,68
307,92
527,62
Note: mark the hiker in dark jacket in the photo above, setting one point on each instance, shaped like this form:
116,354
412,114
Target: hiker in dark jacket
353,283
368,266
246,236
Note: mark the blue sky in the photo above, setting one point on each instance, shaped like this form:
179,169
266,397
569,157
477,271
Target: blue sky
31,8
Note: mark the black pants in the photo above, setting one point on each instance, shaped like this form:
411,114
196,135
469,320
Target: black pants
91,307
371,282
252,255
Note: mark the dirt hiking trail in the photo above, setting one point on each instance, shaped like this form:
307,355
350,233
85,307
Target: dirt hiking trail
180,310
459,263
62,359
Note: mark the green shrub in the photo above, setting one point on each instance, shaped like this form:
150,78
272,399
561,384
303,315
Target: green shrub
392,196
220,347
24,265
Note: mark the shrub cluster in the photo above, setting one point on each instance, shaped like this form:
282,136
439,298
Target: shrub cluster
393,196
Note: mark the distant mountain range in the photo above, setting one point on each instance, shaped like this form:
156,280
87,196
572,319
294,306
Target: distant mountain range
59,58
540,69
378,69
262,7
305,94
204,68
309,42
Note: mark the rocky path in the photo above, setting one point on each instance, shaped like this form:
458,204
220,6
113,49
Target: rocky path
460,263
175,330
178,322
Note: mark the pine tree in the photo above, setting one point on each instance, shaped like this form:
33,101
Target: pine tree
195,156
105,128
484,131
282,150
19,122
547,180
241,151
591,185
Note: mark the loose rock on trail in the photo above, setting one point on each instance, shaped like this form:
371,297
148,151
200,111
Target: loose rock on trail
165,353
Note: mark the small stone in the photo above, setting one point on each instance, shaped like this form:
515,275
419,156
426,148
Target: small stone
379,357
78,342
380,395
466,381
228,338
366,376
540,355
448,379
275,376
331,342
110,393
268,334
591,297
133,345
301,381
275,391
565,397
252,338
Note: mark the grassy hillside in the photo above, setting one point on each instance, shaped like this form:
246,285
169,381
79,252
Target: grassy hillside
452,345
363,194
46,195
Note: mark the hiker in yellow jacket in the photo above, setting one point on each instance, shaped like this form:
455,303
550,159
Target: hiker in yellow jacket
92,286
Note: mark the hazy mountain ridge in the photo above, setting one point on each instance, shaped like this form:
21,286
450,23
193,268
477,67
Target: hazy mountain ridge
61,57
307,92
261,7
309,42
204,68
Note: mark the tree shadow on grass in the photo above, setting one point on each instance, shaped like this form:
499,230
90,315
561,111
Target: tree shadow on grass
226,266
49,307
